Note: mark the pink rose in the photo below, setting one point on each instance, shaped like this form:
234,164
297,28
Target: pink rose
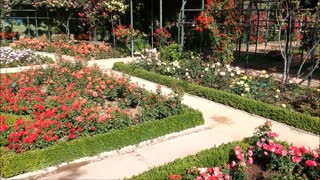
273,134
310,163
250,160
259,144
314,154
233,164
79,118
296,159
226,177
94,94
284,152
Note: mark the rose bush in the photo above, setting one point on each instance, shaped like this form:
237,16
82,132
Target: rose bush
190,66
124,33
81,50
162,36
269,154
68,100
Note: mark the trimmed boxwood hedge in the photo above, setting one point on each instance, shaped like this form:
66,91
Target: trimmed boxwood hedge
292,118
13,164
213,157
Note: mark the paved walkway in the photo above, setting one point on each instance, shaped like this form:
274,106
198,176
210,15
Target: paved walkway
222,124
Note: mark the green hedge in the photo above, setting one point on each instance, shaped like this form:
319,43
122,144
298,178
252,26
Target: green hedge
208,158
13,164
292,118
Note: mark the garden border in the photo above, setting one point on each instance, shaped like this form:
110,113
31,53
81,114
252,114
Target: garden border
216,156
15,164
295,119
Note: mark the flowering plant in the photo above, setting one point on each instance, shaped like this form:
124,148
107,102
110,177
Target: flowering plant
124,33
20,57
68,100
265,152
223,39
259,85
161,36
82,50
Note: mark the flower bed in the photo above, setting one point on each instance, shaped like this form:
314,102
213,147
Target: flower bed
283,115
16,163
260,156
68,101
81,50
21,57
9,35
189,66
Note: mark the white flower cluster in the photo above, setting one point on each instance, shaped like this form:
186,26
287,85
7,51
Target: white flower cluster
116,6
171,67
19,57
226,70
264,74
242,85
149,56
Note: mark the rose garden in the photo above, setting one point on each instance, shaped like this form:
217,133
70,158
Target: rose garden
146,90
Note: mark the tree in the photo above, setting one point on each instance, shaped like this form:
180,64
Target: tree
63,9
96,13
289,15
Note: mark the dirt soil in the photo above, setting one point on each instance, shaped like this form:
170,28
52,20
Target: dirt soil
257,173
271,61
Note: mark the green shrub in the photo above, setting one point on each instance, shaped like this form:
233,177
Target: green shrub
171,52
208,158
295,119
12,164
